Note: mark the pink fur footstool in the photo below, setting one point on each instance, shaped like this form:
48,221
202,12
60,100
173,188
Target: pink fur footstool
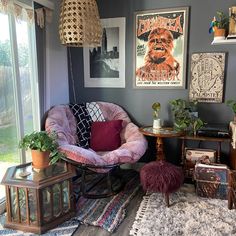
161,176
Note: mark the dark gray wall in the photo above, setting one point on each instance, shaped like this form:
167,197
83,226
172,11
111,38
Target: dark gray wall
138,101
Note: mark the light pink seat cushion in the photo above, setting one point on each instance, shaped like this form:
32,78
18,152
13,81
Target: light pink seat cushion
133,143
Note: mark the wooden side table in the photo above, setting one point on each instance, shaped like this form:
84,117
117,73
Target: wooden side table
160,134
218,141
38,200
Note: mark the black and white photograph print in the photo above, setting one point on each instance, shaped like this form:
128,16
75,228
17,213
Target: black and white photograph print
104,66
104,60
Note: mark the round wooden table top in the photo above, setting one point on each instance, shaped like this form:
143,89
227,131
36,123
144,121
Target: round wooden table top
165,132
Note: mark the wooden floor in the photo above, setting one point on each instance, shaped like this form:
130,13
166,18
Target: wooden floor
125,226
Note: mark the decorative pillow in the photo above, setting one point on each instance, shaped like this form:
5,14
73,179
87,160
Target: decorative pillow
105,136
84,122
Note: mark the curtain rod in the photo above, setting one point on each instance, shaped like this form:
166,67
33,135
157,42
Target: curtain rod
46,3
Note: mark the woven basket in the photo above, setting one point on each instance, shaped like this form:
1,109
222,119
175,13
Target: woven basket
79,23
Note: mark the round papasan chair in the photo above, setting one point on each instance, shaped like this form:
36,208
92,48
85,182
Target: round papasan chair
63,120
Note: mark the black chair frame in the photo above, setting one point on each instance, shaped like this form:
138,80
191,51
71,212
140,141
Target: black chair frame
86,169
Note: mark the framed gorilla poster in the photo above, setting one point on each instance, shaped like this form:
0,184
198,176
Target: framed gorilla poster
104,66
160,41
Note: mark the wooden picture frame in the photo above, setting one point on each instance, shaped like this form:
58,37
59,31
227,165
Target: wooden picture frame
104,66
160,48
207,77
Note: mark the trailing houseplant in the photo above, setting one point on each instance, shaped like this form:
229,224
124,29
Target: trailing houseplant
44,148
185,116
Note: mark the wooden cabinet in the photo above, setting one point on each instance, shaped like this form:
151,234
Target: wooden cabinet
38,200
232,158
218,142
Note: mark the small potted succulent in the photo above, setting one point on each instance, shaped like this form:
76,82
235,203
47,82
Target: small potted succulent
219,25
44,148
156,120
232,105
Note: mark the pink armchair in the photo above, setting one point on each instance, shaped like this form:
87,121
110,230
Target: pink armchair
133,144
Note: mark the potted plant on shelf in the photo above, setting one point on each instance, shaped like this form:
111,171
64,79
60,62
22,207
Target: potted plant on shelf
219,25
44,148
232,105
156,120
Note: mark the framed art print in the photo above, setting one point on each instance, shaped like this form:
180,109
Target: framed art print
105,66
160,48
207,77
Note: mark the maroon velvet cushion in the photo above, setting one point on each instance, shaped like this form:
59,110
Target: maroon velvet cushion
105,135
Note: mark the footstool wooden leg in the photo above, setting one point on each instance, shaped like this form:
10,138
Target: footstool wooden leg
167,199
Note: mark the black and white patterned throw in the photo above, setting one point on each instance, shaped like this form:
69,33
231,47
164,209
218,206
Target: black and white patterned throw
84,122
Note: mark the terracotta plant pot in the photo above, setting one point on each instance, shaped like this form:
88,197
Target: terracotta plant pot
219,34
40,160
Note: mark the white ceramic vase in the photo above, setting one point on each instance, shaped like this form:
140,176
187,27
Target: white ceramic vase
157,123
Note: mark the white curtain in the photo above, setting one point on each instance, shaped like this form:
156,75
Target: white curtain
23,13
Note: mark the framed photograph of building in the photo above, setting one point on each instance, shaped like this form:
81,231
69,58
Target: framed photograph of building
207,77
105,66
160,48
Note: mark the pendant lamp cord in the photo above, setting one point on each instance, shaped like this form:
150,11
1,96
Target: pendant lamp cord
71,75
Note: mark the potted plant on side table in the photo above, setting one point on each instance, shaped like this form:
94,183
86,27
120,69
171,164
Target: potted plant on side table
44,148
186,116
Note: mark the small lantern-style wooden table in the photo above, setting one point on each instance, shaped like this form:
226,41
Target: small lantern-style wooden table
38,200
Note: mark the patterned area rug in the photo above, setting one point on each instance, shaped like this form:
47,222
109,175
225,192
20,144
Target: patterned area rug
108,213
188,215
65,229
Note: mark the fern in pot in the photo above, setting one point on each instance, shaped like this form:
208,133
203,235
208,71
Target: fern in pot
44,148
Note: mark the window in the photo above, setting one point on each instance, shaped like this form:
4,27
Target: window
19,105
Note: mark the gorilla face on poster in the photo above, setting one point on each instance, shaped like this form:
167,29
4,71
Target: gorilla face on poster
159,58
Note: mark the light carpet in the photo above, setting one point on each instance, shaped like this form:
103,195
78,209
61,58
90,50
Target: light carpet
188,215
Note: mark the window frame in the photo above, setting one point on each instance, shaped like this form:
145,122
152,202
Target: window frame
34,80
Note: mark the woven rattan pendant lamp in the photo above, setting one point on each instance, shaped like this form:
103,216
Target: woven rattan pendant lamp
79,24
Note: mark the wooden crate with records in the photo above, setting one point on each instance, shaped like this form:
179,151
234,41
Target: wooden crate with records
212,180
196,155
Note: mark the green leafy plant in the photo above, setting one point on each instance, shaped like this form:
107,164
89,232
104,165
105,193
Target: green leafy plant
42,141
221,21
232,105
184,117
197,124
156,109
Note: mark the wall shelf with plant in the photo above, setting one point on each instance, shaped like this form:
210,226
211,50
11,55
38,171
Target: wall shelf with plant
224,41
